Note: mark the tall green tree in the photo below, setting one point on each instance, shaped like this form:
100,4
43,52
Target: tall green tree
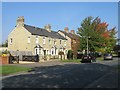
97,32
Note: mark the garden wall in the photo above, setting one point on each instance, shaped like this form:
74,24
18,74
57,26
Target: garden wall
4,59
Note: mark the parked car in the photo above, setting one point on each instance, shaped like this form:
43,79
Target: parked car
86,58
79,55
93,56
108,56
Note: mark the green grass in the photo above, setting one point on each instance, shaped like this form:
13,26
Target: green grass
74,60
99,58
9,69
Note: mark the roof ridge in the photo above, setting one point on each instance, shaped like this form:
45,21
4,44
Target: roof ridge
33,26
43,32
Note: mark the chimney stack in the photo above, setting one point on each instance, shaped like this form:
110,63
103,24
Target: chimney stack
72,31
20,21
66,29
48,27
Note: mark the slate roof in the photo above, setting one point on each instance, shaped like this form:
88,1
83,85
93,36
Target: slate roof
43,32
70,35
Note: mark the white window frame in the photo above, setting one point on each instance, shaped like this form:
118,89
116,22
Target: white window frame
60,41
49,41
54,42
37,51
40,51
28,39
64,43
11,40
44,40
52,51
36,39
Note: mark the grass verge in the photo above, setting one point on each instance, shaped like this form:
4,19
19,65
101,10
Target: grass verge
100,58
74,60
9,69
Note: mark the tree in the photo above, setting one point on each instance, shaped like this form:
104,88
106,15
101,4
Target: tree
5,44
98,34
88,29
111,41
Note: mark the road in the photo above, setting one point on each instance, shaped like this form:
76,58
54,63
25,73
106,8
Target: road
85,75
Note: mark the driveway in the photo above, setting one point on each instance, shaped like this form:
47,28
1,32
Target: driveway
70,75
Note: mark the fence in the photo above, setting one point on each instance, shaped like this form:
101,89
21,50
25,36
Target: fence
13,59
34,58
21,53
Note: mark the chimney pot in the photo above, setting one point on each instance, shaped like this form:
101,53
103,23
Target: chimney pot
72,31
48,27
66,29
20,21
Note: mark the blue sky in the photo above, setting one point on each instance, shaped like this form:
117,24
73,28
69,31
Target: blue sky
59,15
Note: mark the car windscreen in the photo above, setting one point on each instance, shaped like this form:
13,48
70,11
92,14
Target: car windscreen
107,54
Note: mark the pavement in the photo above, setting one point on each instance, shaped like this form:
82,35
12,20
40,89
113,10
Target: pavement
65,75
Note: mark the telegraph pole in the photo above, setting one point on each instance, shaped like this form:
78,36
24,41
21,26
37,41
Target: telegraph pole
87,45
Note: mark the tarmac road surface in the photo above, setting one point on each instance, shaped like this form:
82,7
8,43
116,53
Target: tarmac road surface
72,75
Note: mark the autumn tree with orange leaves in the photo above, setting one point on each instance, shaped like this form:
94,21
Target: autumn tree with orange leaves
100,38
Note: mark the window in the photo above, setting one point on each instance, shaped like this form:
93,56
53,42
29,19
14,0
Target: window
28,39
60,41
49,41
65,43
54,42
52,52
43,40
37,39
40,51
65,35
11,40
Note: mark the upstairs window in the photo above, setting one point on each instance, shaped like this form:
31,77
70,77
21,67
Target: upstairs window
65,35
28,39
11,40
54,42
36,39
65,43
43,40
60,41
49,41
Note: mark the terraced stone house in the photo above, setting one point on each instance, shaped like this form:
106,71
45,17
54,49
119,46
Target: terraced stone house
34,40
72,38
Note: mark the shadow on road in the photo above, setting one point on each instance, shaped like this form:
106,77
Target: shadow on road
59,76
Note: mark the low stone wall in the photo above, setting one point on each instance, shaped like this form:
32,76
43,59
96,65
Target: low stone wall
4,60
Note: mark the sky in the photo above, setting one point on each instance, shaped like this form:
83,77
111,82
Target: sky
58,14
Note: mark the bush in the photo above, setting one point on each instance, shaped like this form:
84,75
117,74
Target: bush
70,54
61,53
5,52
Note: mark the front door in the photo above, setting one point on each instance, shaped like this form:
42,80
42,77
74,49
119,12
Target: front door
44,52
37,51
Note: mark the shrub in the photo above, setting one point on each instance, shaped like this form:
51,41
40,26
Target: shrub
70,54
61,53
5,52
